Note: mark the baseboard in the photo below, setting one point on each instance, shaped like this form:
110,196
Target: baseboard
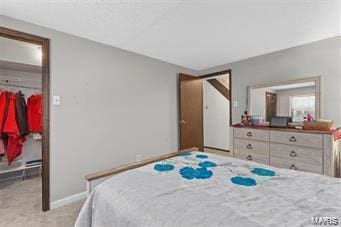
68,200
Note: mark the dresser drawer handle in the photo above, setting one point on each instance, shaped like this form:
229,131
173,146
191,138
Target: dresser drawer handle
249,146
293,167
292,139
249,157
293,154
249,134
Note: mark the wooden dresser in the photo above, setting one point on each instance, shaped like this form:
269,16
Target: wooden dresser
304,150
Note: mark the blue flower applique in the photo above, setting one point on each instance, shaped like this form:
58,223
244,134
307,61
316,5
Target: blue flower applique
201,156
263,172
207,164
185,154
163,167
243,181
190,173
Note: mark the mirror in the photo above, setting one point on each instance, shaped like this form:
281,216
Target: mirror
297,99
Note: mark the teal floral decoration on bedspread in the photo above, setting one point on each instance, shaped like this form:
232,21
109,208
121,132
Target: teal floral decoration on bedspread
244,181
196,169
163,167
201,156
263,172
190,173
207,164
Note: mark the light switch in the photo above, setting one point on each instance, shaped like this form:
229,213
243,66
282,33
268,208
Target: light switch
235,103
56,100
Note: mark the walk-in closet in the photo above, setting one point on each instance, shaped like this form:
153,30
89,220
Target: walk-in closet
20,114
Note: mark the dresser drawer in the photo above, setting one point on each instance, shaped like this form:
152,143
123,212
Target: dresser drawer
252,156
251,146
255,134
311,156
295,138
287,163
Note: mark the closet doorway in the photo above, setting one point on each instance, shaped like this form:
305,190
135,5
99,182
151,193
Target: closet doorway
217,112
205,111
20,73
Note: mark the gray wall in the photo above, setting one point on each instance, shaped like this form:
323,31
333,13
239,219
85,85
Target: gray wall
319,58
114,104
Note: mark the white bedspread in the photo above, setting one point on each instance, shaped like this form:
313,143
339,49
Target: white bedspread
148,197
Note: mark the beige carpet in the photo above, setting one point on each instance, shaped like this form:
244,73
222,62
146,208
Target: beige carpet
20,205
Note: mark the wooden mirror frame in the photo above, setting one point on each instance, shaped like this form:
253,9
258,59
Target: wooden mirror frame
316,80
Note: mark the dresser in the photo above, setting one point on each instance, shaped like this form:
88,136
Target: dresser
303,150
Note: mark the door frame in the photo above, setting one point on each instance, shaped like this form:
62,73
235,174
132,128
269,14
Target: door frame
45,45
266,103
219,73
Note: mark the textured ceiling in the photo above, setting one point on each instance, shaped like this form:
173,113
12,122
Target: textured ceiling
193,33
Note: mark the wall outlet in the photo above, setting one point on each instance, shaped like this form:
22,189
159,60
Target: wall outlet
138,157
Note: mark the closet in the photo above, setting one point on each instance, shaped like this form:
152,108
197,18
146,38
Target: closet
20,155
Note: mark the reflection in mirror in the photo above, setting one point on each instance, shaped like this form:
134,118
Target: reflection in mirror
296,100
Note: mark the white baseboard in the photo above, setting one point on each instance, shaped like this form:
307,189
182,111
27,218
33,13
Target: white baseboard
68,200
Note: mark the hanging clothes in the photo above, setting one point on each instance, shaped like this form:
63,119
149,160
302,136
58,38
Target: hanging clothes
4,101
14,148
34,113
20,114
11,127
15,142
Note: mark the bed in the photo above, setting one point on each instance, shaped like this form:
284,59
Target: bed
204,189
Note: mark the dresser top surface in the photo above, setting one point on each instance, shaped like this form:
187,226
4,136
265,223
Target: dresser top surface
336,133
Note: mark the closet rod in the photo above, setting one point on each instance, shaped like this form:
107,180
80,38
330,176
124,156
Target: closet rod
9,85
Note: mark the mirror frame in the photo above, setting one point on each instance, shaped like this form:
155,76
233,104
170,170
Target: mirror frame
316,79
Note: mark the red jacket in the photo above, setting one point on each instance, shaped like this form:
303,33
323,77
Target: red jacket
3,109
11,127
15,142
3,113
34,113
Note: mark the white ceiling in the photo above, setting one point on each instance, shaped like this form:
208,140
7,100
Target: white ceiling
196,34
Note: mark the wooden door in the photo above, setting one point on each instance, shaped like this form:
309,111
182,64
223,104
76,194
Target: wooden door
271,105
191,112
